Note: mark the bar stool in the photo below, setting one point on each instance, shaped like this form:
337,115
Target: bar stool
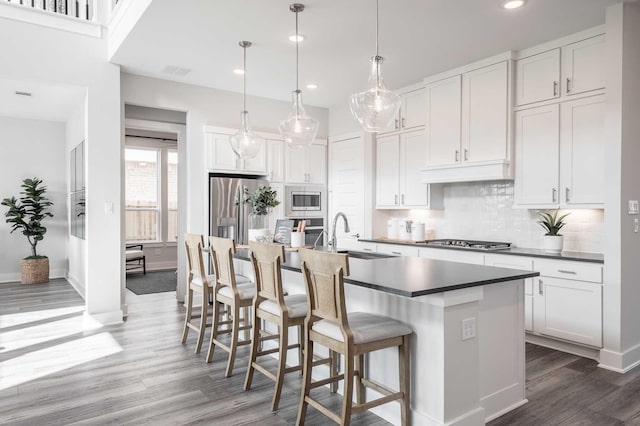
196,281
352,335
272,305
233,295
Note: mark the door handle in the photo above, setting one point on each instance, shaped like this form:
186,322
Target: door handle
566,194
396,252
403,123
540,287
563,271
402,197
568,85
356,235
466,154
396,125
457,155
395,198
555,88
553,195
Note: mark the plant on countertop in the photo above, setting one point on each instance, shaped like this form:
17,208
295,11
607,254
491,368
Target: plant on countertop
552,223
262,199
27,213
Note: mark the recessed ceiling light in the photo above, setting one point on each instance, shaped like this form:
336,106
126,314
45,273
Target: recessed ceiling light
238,71
293,38
312,86
513,4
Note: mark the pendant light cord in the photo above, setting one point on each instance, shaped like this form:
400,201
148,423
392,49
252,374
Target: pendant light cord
244,75
297,65
377,25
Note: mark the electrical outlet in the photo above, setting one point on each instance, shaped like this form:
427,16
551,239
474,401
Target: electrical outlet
636,225
468,328
633,207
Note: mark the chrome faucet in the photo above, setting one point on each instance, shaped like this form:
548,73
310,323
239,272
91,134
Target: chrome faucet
318,239
334,241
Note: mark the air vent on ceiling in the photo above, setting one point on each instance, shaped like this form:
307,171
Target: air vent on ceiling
175,70
19,93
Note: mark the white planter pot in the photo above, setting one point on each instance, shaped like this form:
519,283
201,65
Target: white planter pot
553,243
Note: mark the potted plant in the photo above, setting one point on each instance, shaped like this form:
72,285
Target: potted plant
552,223
26,214
261,202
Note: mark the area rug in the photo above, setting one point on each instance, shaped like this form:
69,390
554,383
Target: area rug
152,282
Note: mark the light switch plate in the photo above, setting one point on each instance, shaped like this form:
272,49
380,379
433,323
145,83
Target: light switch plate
633,207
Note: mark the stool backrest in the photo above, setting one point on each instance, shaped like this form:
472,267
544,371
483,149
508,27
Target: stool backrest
266,260
193,244
222,251
324,277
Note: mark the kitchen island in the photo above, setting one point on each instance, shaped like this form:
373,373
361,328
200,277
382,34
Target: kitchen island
455,380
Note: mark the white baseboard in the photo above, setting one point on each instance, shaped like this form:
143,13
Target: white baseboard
161,266
77,285
12,277
560,345
620,362
106,318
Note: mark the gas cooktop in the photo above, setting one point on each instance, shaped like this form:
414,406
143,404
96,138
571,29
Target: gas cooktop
480,245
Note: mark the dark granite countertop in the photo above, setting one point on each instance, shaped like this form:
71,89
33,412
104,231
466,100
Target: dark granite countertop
413,276
516,251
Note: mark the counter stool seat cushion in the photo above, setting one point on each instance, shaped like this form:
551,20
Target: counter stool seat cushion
365,327
134,254
211,279
246,291
297,304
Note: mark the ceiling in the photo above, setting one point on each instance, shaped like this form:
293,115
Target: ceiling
47,101
417,38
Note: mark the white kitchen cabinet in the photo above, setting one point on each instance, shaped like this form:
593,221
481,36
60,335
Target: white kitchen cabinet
275,160
220,155
583,66
399,158
443,115
398,249
453,255
412,111
306,165
561,73
560,154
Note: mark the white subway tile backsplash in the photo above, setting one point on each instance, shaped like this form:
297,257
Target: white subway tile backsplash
484,211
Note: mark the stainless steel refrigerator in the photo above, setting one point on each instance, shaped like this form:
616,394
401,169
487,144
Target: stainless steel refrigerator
228,215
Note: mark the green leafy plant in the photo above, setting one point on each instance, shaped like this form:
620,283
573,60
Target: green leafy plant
552,224
262,199
26,214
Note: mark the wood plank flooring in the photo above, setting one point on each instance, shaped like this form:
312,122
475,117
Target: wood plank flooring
57,368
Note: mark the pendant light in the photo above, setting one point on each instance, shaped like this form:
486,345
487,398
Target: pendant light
376,107
299,129
244,142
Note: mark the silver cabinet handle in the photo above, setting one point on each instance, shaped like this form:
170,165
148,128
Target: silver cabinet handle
566,194
555,88
404,123
402,197
356,235
367,249
396,125
568,85
553,195
457,155
466,154
540,287
395,197
396,252
564,271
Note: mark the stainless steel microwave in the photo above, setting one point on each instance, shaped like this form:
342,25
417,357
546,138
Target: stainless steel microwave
305,201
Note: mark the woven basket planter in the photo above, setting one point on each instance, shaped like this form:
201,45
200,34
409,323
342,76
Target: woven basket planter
34,271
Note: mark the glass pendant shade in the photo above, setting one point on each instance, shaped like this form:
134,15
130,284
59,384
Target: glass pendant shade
298,129
244,142
376,107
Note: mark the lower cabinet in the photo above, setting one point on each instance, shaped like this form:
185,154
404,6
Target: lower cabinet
398,250
568,309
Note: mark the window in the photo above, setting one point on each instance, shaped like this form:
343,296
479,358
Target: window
151,194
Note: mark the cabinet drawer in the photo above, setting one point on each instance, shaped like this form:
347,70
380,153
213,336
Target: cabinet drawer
510,262
569,270
369,247
398,250
453,255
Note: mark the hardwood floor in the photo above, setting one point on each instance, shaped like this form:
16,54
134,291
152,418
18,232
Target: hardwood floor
57,368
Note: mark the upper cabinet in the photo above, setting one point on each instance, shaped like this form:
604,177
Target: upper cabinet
412,111
275,160
220,156
306,165
467,126
571,70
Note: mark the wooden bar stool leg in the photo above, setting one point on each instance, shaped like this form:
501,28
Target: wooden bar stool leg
300,346
360,390
306,382
333,370
187,317
404,361
204,311
214,330
235,332
347,400
282,363
256,344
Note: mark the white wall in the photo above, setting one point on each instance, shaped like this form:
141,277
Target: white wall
341,120
76,129
62,58
33,148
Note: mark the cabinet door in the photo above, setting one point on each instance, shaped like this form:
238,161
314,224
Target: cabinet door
538,77
413,155
537,155
583,66
485,113
443,121
221,156
346,191
275,160
452,255
398,250
388,171
257,164
295,165
317,164
570,310
413,109
582,151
